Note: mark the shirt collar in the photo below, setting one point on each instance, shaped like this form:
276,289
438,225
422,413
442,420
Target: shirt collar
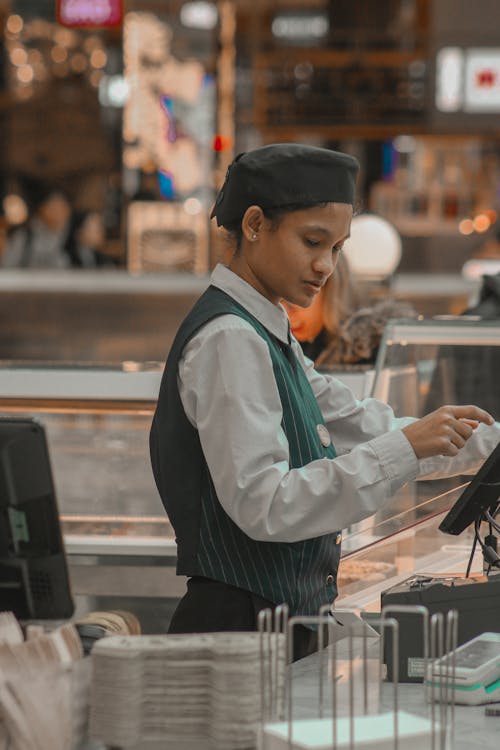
272,317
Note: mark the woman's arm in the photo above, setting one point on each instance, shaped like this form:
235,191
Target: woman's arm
445,441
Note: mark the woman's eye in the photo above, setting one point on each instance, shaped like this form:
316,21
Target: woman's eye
312,242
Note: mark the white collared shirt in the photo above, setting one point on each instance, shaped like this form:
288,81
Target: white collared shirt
229,394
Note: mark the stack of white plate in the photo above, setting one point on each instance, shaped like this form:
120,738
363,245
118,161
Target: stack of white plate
179,691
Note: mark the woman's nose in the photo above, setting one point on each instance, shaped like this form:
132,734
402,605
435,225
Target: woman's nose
324,263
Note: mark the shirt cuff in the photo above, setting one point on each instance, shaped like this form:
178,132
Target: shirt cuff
397,458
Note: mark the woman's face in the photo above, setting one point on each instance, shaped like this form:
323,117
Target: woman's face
293,261
306,322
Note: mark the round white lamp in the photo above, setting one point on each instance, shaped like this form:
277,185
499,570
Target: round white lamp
374,247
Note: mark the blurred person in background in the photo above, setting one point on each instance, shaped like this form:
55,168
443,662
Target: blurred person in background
490,249
314,326
39,243
337,329
85,240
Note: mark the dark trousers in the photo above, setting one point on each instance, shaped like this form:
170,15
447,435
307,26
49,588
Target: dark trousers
212,606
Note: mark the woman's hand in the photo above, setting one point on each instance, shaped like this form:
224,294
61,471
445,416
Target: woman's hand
445,431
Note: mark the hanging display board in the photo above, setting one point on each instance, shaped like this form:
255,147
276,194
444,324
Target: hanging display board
89,13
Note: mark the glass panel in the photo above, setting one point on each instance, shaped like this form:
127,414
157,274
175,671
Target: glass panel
418,548
102,472
421,365
424,364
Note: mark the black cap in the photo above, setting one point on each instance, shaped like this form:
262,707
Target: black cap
284,174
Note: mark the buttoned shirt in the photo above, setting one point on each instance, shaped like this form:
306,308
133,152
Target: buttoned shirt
229,394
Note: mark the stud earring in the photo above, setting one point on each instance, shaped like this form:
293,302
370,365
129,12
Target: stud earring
254,236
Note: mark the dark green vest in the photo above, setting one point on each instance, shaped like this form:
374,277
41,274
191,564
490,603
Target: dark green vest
302,574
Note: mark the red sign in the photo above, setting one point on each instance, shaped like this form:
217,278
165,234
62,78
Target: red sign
89,13
486,78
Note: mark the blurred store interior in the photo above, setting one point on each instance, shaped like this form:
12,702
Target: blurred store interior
117,123
135,123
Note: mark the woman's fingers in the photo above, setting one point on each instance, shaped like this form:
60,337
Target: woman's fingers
471,412
446,430
463,429
471,422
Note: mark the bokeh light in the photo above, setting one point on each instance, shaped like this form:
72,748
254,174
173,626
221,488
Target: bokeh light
481,223
192,206
98,58
14,24
18,56
466,226
25,73
59,54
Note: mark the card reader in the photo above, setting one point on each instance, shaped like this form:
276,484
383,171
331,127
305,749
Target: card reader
477,672
476,599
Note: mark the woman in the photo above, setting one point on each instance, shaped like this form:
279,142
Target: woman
260,460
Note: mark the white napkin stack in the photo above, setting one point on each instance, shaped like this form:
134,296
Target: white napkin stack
181,691
43,687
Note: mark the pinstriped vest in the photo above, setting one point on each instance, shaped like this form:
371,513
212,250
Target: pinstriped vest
209,543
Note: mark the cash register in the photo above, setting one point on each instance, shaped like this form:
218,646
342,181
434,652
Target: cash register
476,598
34,582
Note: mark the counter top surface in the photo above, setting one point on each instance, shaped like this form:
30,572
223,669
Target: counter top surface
121,280
98,282
472,728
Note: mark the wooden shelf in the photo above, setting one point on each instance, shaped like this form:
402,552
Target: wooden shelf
329,58
370,131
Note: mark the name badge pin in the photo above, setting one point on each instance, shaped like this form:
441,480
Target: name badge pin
324,435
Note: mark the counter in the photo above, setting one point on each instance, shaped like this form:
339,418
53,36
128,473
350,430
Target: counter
472,729
113,316
97,419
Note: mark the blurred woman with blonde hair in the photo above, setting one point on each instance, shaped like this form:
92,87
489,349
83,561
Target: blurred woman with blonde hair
315,326
337,329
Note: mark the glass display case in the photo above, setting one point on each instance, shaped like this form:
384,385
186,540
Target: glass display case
395,546
97,422
420,366
423,364
97,419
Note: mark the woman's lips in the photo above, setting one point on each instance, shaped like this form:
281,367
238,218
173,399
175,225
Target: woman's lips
315,286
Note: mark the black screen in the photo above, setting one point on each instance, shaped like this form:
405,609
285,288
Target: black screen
34,581
480,495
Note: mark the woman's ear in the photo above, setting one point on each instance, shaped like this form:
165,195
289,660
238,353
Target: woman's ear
252,223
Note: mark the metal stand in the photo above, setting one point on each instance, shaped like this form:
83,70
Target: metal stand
334,728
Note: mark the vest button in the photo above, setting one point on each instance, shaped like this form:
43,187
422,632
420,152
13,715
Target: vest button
324,435
329,580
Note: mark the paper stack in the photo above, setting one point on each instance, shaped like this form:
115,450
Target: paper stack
180,691
373,732
43,687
